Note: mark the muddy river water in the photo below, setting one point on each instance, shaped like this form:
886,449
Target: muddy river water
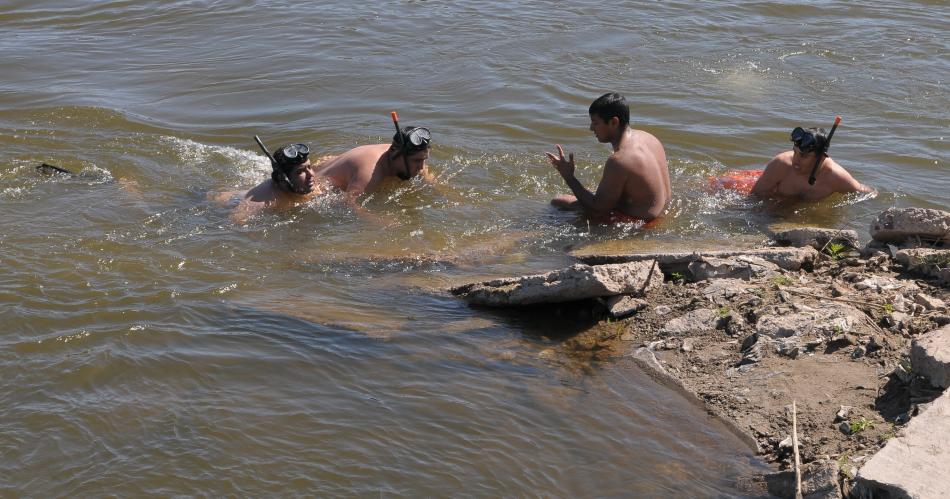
150,346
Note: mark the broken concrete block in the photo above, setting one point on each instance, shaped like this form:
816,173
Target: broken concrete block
692,322
624,305
930,357
929,302
739,267
897,225
576,282
914,464
816,237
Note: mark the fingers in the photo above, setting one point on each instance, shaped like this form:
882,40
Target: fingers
572,158
551,157
560,150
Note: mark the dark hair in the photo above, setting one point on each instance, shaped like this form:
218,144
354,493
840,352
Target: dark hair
611,105
821,138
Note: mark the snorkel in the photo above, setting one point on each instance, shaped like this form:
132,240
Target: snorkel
410,140
279,174
402,146
822,151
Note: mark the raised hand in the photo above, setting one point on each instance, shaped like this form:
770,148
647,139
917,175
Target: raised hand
564,166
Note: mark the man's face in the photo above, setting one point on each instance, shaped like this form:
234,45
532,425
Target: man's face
603,130
802,161
302,177
416,162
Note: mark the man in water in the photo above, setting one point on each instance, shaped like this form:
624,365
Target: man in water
295,179
787,174
636,179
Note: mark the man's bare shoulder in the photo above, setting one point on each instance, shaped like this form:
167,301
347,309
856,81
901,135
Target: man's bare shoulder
265,192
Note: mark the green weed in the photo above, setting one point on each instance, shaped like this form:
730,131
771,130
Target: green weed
836,250
889,308
861,425
782,280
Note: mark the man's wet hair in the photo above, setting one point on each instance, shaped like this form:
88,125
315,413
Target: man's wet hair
611,105
821,138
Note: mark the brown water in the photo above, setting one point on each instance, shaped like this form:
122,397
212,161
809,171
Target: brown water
151,347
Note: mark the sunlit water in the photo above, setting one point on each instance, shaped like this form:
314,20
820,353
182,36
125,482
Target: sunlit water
151,346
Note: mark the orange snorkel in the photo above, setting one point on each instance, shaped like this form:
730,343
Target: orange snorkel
822,152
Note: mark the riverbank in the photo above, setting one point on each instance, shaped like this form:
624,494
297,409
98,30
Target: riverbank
823,332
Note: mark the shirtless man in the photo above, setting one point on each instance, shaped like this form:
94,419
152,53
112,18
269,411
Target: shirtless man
636,179
787,174
295,179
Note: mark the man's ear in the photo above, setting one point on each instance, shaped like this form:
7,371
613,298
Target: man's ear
614,121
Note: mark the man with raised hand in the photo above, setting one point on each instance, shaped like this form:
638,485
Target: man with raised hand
636,179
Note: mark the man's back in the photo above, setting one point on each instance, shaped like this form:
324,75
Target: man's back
647,189
785,176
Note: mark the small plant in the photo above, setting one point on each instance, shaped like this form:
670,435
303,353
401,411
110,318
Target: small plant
676,276
889,308
837,329
861,425
722,312
782,280
836,250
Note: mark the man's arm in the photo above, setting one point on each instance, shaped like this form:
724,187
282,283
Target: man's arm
608,192
766,184
842,181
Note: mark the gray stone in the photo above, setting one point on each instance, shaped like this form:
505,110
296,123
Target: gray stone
724,289
843,413
899,224
828,320
816,237
787,258
576,282
788,347
927,261
930,357
858,352
647,360
694,321
819,481
663,310
688,345
882,284
845,427
916,463
929,302
623,305
739,267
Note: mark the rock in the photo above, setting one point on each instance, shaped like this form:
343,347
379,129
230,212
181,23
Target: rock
694,321
788,347
926,261
845,427
899,224
576,282
740,267
858,352
828,320
793,259
623,305
662,310
930,357
647,360
786,444
899,303
843,414
724,289
941,320
819,481
688,345
816,237
882,283
838,289
903,375
914,464
929,302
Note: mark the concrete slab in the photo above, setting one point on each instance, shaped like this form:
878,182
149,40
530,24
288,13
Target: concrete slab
678,261
917,463
577,282
816,237
930,357
898,224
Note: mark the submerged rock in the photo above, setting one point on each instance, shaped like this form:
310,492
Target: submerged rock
897,225
576,282
819,481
